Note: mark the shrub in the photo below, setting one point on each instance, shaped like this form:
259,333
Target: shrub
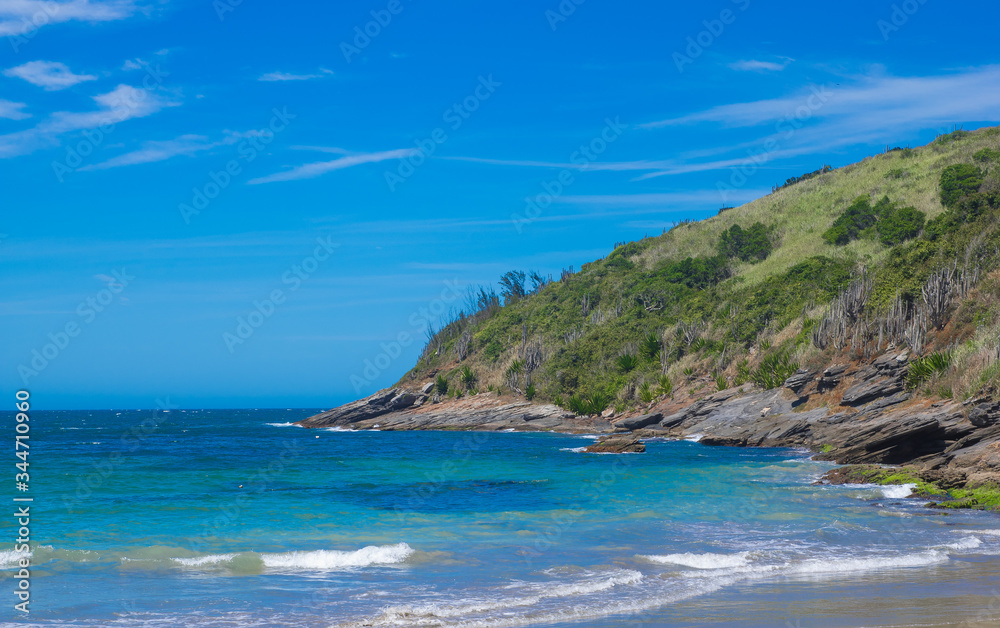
468,378
442,385
651,346
987,155
665,386
529,392
627,363
849,225
774,369
922,369
959,181
698,272
896,225
594,404
721,382
646,393
750,245
892,224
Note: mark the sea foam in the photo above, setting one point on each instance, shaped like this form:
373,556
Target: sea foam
701,561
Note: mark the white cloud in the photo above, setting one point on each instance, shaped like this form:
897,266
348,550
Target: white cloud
132,64
754,65
312,170
884,100
155,151
51,75
19,17
873,110
12,110
121,104
271,77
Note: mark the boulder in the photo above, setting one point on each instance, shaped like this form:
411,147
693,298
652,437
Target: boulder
427,388
985,414
868,390
628,444
639,422
799,380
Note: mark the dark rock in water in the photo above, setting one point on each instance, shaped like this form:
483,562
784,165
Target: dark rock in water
627,444
799,380
639,422
985,414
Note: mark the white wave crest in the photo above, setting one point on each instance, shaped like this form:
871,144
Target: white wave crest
873,563
694,438
10,558
203,561
282,424
967,543
702,561
900,491
331,559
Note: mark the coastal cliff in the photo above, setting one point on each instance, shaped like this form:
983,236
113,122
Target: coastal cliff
853,311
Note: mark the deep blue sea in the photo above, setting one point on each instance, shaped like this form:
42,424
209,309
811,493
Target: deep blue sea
238,518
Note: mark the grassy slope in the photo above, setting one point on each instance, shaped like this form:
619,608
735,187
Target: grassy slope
779,299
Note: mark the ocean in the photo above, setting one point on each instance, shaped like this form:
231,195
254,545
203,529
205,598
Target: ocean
238,518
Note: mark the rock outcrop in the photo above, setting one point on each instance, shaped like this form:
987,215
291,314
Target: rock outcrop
625,444
398,409
851,415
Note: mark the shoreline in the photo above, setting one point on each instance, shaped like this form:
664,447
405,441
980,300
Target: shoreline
856,415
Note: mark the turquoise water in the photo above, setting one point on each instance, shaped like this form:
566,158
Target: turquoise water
237,518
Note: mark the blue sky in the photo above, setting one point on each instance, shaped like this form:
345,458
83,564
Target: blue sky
172,167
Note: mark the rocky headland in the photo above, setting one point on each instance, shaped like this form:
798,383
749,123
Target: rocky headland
852,414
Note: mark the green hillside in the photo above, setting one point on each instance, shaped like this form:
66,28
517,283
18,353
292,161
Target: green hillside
837,266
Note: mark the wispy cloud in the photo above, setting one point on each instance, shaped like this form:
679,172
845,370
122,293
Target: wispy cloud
12,110
20,16
872,110
316,169
272,77
886,100
51,75
662,199
114,107
155,151
753,65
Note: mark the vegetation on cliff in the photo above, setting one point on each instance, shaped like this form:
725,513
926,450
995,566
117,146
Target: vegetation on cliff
900,250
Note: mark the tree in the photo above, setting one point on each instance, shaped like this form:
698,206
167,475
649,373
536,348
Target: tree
512,285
